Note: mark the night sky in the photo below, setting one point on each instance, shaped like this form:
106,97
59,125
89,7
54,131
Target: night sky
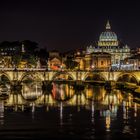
67,25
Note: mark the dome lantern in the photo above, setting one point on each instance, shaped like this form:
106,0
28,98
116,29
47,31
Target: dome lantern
108,27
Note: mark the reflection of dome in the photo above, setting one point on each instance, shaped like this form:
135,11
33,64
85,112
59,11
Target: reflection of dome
108,35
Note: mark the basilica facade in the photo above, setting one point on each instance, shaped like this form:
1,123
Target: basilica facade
109,43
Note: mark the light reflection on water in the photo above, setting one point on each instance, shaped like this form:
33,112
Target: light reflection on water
31,91
89,113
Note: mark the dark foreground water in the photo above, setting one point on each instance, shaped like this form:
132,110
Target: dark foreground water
90,114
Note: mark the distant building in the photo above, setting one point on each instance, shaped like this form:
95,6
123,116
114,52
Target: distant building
132,63
79,56
7,51
5,61
97,61
55,61
10,48
109,43
93,61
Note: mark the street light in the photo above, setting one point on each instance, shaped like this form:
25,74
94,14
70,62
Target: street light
92,67
61,67
135,66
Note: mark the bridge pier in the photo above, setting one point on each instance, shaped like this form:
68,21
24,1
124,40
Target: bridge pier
78,86
138,83
110,84
16,85
79,82
46,86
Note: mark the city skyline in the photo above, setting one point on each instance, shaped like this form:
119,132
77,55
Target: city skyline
68,25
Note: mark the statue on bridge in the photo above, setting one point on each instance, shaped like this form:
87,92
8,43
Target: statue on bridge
38,65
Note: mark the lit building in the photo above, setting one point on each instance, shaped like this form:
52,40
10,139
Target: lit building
93,61
9,48
5,61
97,61
109,43
54,63
79,57
132,63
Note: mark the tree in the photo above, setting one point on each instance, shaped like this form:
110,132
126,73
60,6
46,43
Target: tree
43,57
30,46
5,44
43,53
70,64
16,59
32,60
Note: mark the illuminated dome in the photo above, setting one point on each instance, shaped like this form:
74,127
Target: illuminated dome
108,38
108,35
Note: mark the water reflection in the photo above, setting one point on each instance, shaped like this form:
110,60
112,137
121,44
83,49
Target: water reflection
31,91
61,113
92,112
4,90
135,110
95,95
62,91
108,120
1,112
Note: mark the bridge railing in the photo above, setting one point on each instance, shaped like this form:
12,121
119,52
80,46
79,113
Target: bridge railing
44,69
6,69
22,69
31,69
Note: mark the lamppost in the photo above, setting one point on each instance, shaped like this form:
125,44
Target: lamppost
92,67
127,65
135,66
61,67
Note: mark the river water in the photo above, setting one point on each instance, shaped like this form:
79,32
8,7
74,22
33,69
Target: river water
92,113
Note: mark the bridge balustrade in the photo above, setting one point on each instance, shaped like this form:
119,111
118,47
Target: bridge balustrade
44,69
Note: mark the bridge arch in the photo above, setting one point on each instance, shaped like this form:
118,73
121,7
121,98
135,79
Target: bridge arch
94,76
31,83
127,77
6,75
5,81
33,76
56,75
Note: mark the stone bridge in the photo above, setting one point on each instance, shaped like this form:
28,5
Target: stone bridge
43,75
